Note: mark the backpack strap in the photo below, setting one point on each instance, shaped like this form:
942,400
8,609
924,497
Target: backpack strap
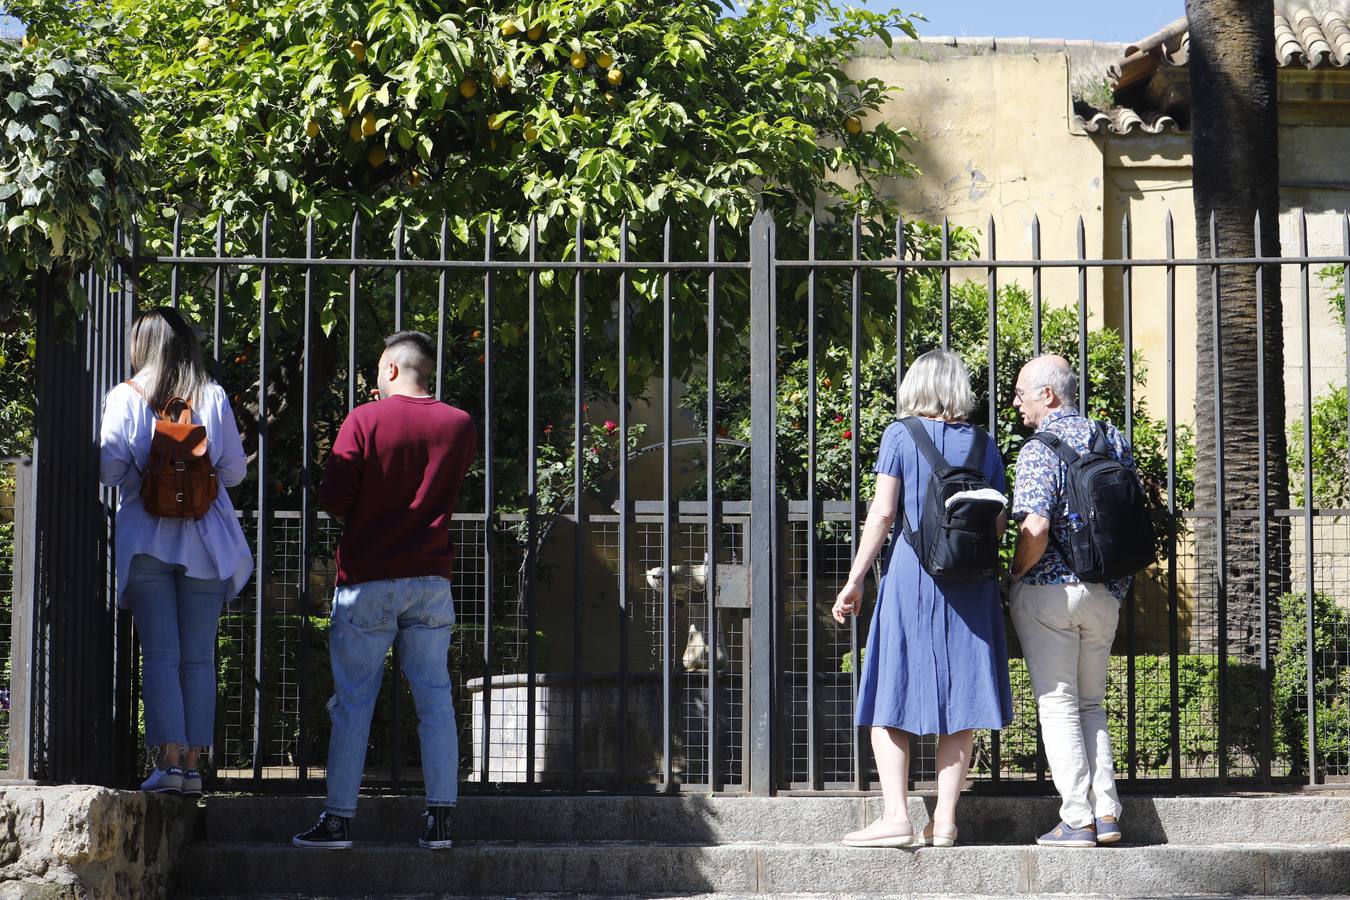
1067,454
184,416
978,445
936,461
1101,441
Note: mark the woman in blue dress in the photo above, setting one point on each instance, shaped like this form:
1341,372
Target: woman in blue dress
936,659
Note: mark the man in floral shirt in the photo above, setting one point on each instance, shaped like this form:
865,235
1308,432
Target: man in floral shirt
1066,626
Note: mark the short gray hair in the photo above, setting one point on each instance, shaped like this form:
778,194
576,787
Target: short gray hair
937,386
1046,371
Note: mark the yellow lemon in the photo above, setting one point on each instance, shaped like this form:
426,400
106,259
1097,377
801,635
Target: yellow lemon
531,133
344,109
414,178
368,124
853,125
615,77
610,98
467,88
509,27
604,60
535,33
312,128
495,123
578,60
500,78
358,50
376,156
203,44
355,131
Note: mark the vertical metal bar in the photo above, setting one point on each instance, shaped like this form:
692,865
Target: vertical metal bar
763,361
216,334
1345,293
899,309
307,511
946,289
1131,674
1220,514
177,252
441,289
1309,531
813,773
532,508
260,553
489,499
352,288
578,489
1173,605
667,521
398,284
1263,507
624,611
991,308
1082,323
1036,286
855,426
710,554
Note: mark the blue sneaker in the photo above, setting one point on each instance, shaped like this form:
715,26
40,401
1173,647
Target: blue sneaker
1067,836
1108,830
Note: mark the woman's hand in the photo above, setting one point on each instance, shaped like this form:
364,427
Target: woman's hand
849,601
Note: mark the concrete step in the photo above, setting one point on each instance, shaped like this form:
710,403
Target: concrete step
629,868
722,819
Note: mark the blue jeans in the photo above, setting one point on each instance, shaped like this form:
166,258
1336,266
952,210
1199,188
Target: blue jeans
176,618
367,619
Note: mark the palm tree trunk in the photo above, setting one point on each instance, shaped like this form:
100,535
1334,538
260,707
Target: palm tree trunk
1235,164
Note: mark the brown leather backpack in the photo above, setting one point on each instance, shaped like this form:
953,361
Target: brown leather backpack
179,482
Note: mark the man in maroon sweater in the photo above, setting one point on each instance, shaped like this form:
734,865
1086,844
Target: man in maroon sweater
393,479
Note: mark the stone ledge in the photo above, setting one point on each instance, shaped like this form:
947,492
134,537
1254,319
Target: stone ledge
78,841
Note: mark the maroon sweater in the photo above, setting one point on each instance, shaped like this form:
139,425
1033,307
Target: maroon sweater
394,475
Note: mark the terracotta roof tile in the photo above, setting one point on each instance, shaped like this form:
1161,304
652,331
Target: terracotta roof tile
1122,120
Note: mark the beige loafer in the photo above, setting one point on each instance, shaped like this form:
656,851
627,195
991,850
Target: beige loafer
881,833
935,835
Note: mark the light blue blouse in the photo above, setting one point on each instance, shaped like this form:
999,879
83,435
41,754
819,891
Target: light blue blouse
212,547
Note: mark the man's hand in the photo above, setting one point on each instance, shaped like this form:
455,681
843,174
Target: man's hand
849,602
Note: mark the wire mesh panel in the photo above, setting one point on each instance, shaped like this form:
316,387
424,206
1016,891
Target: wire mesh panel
8,537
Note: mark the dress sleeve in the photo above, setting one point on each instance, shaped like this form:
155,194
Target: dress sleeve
888,458
994,469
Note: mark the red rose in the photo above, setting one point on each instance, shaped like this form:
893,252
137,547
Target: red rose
610,425
848,434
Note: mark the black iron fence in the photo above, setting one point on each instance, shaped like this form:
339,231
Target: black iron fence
674,471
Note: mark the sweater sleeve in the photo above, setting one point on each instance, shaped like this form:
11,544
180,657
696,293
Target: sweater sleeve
342,474
117,441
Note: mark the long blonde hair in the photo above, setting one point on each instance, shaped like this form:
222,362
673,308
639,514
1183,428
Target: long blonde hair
166,357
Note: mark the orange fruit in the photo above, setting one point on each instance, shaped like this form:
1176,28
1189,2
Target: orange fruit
615,77
377,156
604,60
467,88
358,50
853,125
579,60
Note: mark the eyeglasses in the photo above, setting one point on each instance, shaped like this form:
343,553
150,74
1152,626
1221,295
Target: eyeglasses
1021,393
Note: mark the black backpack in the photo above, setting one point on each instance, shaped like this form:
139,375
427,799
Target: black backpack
957,541
1115,538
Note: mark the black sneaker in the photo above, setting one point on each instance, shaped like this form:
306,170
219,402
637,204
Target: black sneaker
329,833
436,834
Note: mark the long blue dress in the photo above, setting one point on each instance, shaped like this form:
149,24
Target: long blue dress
937,655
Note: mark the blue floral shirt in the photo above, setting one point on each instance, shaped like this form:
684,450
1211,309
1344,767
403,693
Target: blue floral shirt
1038,489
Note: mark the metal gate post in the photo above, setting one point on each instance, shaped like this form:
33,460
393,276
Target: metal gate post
763,663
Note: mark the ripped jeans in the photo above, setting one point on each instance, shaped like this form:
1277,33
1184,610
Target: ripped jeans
417,614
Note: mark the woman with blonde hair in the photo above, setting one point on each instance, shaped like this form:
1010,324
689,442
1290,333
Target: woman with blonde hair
936,660
175,569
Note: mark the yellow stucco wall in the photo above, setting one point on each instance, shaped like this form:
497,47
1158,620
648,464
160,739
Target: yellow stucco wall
994,138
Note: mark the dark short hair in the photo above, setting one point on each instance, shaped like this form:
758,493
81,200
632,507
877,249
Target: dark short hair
415,341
